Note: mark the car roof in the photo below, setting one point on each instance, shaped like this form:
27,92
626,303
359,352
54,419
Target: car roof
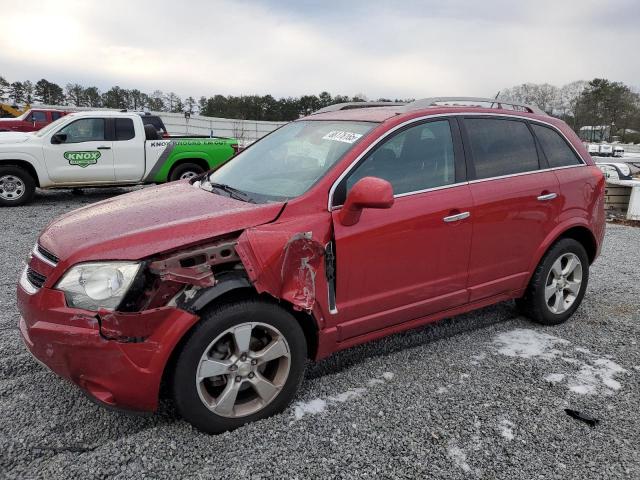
102,113
428,107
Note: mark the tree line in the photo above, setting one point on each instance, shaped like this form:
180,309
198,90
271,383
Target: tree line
599,102
253,107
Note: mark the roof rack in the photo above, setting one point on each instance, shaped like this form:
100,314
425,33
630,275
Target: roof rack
353,105
472,102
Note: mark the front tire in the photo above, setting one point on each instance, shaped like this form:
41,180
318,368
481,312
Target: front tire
558,284
17,186
185,171
243,362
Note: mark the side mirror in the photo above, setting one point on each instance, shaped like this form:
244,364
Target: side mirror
368,192
59,138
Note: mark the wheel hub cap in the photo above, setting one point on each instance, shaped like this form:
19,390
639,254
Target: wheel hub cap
243,369
564,283
11,187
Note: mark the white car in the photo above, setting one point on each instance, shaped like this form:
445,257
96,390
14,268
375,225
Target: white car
606,150
90,149
618,151
593,149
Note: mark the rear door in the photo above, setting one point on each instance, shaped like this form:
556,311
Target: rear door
128,149
86,156
516,202
411,260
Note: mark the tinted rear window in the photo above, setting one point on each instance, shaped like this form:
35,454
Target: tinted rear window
501,147
124,129
155,121
555,148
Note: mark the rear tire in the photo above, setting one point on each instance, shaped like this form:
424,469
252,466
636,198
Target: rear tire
17,186
219,379
558,284
185,171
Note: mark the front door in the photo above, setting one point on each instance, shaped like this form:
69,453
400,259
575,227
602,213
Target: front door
85,156
411,260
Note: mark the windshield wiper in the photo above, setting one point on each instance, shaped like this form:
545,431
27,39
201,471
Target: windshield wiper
233,192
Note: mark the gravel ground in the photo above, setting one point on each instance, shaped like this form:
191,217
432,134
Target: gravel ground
477,396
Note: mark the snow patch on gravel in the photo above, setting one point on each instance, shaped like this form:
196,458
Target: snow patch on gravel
527,343
319,405
506,429
595,374
458,457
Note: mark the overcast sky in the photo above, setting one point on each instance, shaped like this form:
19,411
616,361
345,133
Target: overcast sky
293,47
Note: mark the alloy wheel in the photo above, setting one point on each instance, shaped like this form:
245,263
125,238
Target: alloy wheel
243,369
563,283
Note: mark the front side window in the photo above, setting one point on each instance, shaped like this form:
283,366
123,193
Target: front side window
555,148
418,158
289,161
84,130
501,147
55,116
37,117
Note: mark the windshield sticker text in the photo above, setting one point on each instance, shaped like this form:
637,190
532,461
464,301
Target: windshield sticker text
340,136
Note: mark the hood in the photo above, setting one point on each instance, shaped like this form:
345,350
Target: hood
150,221
14,137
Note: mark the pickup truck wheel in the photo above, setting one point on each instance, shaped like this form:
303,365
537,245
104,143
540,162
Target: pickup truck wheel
185,171
16,186
558,284
243,362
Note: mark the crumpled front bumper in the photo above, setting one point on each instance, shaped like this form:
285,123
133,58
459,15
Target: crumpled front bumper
123,372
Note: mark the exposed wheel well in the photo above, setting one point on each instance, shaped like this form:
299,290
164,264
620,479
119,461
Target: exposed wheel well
198,161
25,166
585,237
306,321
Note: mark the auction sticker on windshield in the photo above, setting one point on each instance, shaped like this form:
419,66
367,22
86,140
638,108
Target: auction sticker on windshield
82,159
340,136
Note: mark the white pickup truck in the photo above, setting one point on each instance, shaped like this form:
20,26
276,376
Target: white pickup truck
101,148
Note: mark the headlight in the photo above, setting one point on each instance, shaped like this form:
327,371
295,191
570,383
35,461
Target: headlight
93,286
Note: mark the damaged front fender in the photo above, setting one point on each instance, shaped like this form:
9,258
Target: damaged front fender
283,264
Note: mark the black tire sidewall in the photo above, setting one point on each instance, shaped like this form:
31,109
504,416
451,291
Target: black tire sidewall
29,183
212,324
566,245
185,167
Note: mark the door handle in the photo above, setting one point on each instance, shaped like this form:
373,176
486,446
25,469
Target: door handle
104,148
547,196
457,217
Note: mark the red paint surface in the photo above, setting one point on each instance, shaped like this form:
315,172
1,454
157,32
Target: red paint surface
396,268
16,125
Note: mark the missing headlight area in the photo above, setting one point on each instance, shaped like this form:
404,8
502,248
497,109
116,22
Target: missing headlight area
194,267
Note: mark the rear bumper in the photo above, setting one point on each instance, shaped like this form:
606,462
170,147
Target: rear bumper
124,373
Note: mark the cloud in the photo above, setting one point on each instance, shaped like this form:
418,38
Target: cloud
414,49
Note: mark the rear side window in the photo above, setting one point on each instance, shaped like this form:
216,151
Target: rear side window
501,147
55,116
555,148
124,129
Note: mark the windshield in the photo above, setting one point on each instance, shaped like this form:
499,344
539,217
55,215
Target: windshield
286,163
52,126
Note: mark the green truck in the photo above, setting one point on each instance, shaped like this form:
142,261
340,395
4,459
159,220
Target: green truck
102,148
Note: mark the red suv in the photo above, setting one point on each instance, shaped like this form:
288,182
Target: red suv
334,230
